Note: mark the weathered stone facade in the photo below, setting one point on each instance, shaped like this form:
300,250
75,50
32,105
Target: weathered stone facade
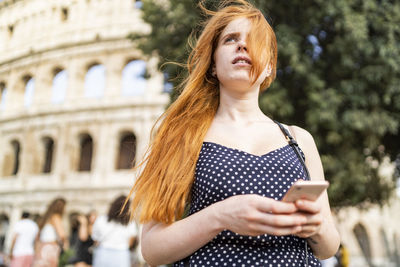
71,146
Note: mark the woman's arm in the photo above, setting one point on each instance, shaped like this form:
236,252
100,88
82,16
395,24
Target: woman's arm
320,229
57,224
14,239
83,231
243,214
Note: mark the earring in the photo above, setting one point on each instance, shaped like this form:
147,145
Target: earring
269,71
214,72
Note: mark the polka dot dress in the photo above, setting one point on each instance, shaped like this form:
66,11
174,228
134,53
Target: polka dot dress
222,172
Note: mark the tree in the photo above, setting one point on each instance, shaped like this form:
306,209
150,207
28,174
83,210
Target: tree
338,77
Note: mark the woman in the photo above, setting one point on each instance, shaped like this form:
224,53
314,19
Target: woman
216,150
84,246
52,235
114,235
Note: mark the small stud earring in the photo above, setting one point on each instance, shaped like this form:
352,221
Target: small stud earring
214,72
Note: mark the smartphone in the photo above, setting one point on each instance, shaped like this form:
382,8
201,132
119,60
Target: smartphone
309,190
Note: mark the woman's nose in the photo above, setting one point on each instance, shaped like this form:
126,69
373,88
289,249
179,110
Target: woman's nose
242,46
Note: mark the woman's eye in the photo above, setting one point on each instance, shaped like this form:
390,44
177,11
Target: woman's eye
230,39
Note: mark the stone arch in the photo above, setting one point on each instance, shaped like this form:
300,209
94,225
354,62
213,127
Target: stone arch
134,76
48,154
3,93
363,240
20,97
85,152
126,150
11,160
385,242
4,227
95,80
59,85
29,89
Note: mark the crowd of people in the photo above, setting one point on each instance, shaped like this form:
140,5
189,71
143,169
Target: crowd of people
98,241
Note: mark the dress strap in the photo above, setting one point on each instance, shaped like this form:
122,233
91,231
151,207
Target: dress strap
295,146
293,143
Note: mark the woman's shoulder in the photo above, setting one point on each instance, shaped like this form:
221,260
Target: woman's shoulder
305,141
55,218
301,135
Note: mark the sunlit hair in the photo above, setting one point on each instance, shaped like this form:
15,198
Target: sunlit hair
163,187
55,207
118,212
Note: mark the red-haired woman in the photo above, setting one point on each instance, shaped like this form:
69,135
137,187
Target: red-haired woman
218,152
51,236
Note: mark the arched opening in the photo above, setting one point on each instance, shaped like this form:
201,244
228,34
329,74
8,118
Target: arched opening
11,158
86,153
127,151
48,144
3,92
134,78
95,81
16,149
4,225
396,249
29,83
385,243
363,240
59,86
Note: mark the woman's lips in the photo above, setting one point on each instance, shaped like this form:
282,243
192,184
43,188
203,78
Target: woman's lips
241,60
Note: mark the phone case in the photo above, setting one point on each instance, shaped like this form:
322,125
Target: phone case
309,190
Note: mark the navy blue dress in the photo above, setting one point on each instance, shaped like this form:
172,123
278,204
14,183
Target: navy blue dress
222,172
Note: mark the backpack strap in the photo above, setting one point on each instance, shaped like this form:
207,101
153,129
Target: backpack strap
295,146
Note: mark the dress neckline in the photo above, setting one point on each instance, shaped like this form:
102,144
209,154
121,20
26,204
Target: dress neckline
245,152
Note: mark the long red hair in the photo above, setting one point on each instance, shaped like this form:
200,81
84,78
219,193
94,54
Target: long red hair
163,187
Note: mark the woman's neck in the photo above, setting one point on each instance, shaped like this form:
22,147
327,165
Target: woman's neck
239,107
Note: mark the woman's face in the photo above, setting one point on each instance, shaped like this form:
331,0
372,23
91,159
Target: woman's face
232,60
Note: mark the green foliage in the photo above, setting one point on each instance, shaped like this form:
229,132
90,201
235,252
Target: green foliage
338,77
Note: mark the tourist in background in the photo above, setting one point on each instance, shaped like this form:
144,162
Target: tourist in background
114,235
23,242
84,245
52,236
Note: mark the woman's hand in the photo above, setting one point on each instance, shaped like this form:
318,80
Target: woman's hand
256,215
312,212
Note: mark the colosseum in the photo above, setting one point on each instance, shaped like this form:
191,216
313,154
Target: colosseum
77,103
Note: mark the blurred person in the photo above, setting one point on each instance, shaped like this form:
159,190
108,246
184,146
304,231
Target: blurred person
84,246
74,230
114,235
23,242
216,152
3,260
52,236
343,256
330,262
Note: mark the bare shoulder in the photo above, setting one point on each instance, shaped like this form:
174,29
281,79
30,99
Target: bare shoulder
55,218
302,136
305,141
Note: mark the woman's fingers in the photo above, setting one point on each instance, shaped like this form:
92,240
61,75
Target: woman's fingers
274,206
282,220
307,231
256,215
308,206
